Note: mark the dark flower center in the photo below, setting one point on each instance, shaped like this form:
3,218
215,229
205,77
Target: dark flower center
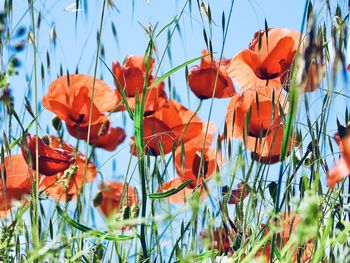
198,169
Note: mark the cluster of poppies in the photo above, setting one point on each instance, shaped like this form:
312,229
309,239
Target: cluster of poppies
255,115
263,73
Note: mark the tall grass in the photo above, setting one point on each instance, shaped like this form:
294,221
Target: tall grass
74,231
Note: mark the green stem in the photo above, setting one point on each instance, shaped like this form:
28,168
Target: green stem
35,197
92,103
139,140
294,99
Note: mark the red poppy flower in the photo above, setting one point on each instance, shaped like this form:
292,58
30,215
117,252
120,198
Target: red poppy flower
190,167
221,239
131,77
264,111
70,98
167,126
15,183
111,140
236,194
66,185
202,79
341,168
267,61
312,79
287,225
263,134
114,196
51,160
266,148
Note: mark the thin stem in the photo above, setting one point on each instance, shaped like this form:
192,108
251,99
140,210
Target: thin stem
292,112
35,196
91,106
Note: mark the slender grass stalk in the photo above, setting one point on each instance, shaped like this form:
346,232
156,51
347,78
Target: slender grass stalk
213,94
35,196
140,145
92,103
294,97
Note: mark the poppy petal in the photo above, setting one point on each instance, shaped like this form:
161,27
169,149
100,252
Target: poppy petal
96,130
62,89
110,140
237,194
51,161
270,67
64,186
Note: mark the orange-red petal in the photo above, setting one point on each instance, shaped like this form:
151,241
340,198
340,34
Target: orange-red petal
110,140
51,160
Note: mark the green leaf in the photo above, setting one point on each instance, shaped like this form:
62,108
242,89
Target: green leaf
93,232
166,26
170,192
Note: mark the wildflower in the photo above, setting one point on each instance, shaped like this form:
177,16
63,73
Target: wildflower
16,181
164,129
269,59
111,140
66,185
52,160
219,240
117,198
267,148
202,79
255,117
341,168
131,77
107,140
69,97
191,165
286,230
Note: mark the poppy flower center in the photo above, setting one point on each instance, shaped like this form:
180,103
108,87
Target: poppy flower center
199,169
77,118
263,73
257,132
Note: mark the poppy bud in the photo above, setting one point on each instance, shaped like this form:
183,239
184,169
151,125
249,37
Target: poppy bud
56,123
